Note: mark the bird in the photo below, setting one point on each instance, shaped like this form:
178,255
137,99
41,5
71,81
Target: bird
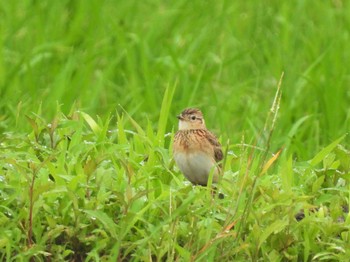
196,151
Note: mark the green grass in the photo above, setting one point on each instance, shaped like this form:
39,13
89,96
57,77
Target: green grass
89,93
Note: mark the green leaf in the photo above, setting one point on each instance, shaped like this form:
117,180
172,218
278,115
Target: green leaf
122,139
317,184
294,129
184,253
325,151
107,222
3,242
92,123
138,128
164,113
274,228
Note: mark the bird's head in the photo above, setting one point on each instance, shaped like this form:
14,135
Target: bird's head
191,118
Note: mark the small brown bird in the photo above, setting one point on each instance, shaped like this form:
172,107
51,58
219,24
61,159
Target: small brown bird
196,150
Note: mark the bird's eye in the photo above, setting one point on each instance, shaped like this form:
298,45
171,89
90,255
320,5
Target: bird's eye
193,117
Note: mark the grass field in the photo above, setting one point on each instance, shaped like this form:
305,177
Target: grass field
90,91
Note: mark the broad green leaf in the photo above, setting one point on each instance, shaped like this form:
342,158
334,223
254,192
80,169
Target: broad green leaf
287,174
121,132
274,228
325,151
317,184
92,123
184,253
107,222
3,242
164,113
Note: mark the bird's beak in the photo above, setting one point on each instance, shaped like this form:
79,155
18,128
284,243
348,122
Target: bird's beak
180,117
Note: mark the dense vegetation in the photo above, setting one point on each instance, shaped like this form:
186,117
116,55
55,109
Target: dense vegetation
89,94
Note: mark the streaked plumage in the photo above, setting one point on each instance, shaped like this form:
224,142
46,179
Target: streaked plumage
196,150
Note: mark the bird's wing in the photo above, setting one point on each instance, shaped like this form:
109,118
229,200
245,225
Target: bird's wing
218,154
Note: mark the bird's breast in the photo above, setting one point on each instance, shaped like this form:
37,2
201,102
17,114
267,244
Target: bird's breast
196,166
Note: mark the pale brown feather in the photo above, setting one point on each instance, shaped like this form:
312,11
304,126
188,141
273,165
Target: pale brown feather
198,139
196,150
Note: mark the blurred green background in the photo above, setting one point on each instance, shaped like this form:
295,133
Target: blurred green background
71,190
225,57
